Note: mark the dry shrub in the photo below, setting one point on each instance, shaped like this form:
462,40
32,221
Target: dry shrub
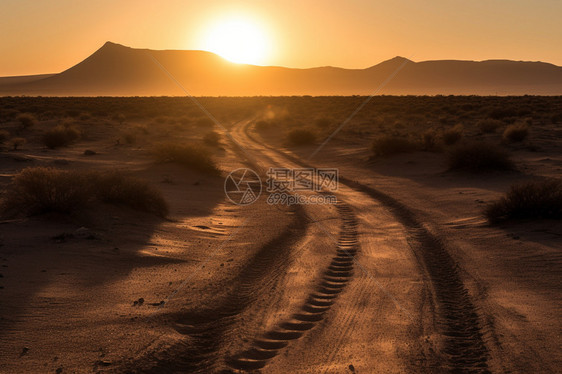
323,122
191,156
60,136
516,133
301,137
17,142
26,120
489,125
453,135
479,157
263,125
429,140
4,135
40,190
212,138
531,200
388,145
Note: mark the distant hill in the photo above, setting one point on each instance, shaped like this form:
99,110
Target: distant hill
116,70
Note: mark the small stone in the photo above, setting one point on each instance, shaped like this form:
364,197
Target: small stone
351,368
89,152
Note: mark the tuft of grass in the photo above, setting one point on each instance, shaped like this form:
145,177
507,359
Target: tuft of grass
17,142
4,135
531,200
191,156
516,133
489,125
479,157
26,120
388,145
40,190
212,138
301,137
323,122
429,140
263,125
60,136
453,135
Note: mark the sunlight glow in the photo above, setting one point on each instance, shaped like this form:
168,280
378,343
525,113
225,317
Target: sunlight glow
238,40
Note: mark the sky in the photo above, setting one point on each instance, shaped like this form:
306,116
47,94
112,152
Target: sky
38,36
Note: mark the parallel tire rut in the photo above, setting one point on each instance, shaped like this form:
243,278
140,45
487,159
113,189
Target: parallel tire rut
313,310
464,349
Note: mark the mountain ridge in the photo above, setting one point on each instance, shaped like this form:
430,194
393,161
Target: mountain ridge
118,70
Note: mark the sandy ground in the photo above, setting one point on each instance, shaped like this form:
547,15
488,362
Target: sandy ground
401,275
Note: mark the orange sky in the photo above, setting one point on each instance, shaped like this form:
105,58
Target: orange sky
50,36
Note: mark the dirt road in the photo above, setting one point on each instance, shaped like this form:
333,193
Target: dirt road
389,298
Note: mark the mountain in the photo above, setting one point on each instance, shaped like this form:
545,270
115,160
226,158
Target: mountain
116,70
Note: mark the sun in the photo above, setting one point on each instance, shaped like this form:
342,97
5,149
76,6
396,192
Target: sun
238,40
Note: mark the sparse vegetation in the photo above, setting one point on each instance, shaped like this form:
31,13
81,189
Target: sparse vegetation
26,120
516,133
17,143
60,136
489,125
429,140
40,190
453,135
388,145
212,138
323,122
301,137
191,156
4,135
479,157
531,200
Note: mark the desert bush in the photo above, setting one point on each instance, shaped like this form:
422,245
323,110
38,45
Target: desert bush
120,117
4,135
26,120
263,125
130,137
301,137
40,190
390,144
60,136
191,156
515,133
17,142
204,122
479,157
212,138
429,140
531,200
488,125
323,122
453,135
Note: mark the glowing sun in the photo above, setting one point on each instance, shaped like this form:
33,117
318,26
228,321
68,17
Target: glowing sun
238,40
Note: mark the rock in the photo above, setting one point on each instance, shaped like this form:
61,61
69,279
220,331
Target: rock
59,370
89,152
85,233
24,351
351,368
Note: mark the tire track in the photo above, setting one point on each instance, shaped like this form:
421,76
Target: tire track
313,310
464,349
205,330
